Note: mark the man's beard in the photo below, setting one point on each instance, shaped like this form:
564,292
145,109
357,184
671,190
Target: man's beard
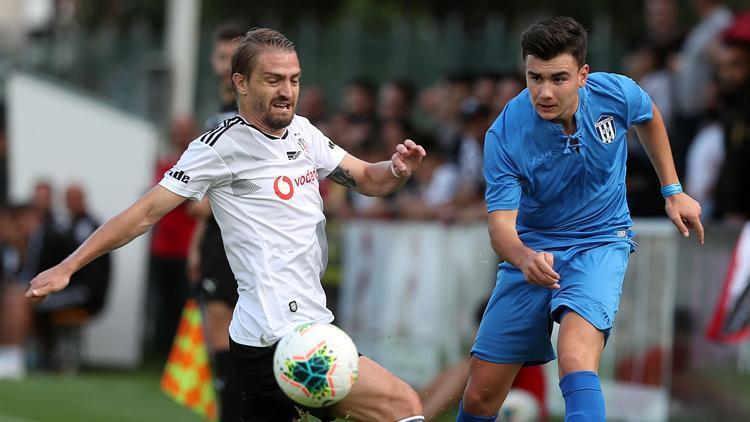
278,123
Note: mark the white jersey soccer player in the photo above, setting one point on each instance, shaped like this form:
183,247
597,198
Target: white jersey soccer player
260,171
277,248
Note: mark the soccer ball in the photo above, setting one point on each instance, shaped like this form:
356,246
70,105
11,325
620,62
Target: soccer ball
519,406
316,365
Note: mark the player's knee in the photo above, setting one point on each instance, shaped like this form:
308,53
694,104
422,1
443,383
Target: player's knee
572,361
480,401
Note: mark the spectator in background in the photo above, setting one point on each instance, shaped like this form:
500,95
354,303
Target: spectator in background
15,315
484,89
47,242
96,276
508,86
225,39
432,188
732,200
693,73
705,155
312,104
359,100
169,248
3,158
355,125
207,261
58,319
396,100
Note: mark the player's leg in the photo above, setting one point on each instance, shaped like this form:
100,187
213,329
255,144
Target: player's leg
220,296
262,399
488,386
218,315
515,329
446,389
579,348
585,306
379,396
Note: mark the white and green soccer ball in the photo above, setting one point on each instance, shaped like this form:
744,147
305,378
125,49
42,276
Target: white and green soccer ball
519,406
316,365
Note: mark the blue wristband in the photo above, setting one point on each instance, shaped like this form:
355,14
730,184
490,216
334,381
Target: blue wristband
669,190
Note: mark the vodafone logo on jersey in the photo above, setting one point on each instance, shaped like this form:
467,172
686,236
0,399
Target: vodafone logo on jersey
284,187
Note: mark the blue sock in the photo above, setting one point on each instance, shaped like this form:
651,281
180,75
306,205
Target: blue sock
468,417
584,401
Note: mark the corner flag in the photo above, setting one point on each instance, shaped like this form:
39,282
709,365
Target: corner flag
187,374
731,320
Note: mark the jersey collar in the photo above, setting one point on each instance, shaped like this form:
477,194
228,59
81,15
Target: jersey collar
267,135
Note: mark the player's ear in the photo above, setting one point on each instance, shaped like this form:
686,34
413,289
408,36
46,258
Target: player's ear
239,82
583,74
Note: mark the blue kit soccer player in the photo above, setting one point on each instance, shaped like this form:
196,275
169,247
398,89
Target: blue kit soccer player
558,217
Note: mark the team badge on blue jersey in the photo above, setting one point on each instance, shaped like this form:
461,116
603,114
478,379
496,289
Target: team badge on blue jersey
606,128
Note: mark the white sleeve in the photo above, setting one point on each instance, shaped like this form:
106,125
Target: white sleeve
198,169
326,154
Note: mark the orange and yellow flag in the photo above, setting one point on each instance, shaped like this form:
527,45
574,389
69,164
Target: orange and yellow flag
187,375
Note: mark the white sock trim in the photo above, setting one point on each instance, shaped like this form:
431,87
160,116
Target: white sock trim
417,418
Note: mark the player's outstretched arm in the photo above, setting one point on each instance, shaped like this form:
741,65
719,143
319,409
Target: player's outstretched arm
537,267
383,178
683,210
116,232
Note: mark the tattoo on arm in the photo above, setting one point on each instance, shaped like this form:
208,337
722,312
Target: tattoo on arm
342,176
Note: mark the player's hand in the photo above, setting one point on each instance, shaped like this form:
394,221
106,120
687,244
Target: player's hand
537,269
47,282
407,158
685,213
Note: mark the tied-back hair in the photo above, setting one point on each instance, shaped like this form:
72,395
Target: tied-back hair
553,36
253,42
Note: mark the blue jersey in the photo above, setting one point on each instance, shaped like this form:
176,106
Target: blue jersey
568,189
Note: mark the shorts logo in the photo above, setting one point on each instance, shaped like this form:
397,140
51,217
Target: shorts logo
287,193
293,306
606,128
179,175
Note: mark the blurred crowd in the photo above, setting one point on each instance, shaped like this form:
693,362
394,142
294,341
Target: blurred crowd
699,77
33,237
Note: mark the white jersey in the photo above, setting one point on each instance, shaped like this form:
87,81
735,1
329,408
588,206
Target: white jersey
264,195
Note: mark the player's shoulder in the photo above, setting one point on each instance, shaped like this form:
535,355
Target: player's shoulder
515,117
302,124
607,82
229,128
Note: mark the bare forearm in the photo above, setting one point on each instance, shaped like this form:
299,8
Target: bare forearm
371,179
116,232
506,243
653,137
379,180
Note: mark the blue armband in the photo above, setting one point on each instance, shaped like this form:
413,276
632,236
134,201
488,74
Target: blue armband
669,190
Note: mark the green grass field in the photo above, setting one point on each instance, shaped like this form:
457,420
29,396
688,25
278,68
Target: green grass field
112,396
120,396
90,396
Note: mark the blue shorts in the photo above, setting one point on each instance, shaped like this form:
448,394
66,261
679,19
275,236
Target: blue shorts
517,323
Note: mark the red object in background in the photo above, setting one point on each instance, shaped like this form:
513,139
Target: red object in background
739,30
731,320
171,236
531,379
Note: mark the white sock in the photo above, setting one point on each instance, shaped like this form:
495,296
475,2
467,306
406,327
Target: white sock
417,418
12,362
